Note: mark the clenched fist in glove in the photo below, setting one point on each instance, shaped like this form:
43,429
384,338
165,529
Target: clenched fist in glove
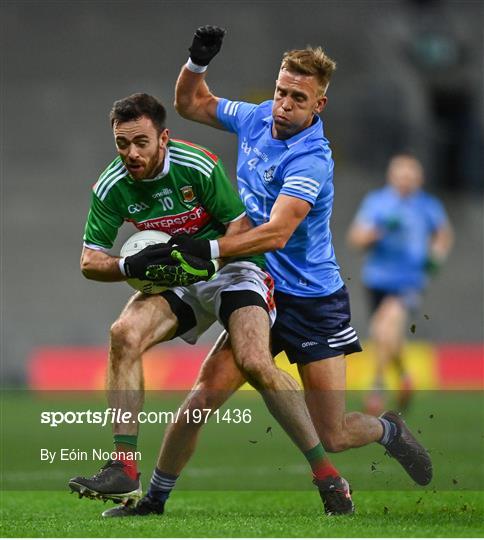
206,43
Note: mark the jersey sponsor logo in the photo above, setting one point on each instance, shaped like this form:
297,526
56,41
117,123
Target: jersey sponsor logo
137,207
162,193
261,155
308,344
188,194
189,222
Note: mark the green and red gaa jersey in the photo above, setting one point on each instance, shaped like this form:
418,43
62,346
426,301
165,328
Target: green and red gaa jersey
192,194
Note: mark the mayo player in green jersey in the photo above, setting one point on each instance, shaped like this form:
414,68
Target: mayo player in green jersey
177,187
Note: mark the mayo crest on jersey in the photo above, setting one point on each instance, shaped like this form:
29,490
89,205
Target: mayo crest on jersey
300,167
192,194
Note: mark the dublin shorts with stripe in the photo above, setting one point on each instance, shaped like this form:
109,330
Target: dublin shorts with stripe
311,329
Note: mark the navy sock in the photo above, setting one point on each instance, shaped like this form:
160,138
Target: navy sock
161,484
390,431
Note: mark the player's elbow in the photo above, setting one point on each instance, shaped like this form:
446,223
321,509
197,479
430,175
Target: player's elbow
87,267
180,107
184,107
279,241
87,271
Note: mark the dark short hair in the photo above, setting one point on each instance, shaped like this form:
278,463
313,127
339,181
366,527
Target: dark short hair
136,106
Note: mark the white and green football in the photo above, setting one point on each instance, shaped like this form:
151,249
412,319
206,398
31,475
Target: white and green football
137,242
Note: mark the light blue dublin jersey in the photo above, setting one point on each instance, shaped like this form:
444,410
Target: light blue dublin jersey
299,167
397,261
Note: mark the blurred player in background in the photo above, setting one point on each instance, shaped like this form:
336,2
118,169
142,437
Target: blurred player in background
407,236
178,187
285,178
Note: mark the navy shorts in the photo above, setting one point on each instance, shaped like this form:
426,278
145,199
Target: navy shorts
310,329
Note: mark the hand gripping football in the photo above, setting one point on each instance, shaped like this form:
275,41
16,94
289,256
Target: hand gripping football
136,243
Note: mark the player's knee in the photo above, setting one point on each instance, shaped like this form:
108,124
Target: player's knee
200,400
196,410
259,372
125,337
334,440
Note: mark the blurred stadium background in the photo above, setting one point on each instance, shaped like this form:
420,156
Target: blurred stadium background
409,76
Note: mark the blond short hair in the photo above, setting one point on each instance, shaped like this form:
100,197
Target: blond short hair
310,61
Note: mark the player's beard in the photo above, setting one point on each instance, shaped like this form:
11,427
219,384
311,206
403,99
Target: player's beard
154,166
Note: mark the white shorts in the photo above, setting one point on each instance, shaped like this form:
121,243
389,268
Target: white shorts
205,297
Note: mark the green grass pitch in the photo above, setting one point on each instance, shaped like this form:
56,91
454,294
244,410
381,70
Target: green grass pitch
249,514
246,480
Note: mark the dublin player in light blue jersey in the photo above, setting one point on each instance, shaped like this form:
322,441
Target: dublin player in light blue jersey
285,179
407,236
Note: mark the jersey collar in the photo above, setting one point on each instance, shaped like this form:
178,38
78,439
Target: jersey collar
314,128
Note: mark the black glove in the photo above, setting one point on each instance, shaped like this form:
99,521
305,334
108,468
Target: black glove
198,268
135,265
172,275
197,247
183,270
206,43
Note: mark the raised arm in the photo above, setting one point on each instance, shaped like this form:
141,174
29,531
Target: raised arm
193,99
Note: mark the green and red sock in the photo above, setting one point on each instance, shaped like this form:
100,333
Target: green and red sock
125,447
320,463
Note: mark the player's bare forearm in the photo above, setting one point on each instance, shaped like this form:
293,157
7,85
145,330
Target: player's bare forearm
193,99
100,266
258,240
287,213
238,227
